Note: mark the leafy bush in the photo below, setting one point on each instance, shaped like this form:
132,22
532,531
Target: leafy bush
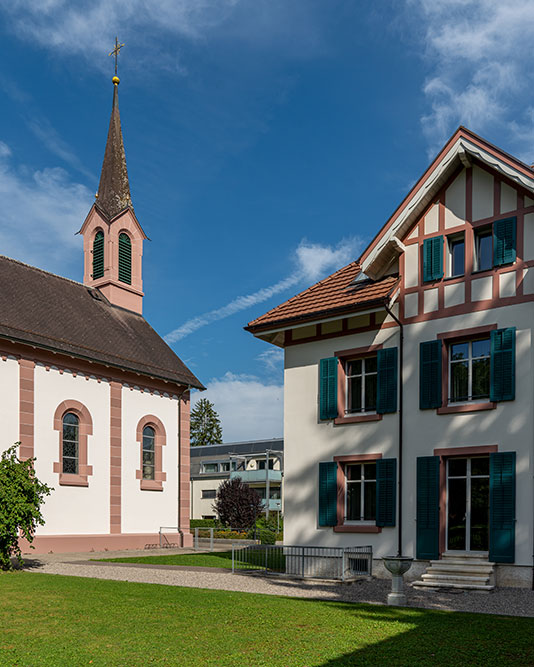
21,496
237,504
203,523
267,537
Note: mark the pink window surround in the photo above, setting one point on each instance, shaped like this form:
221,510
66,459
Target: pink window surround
450,337
444,454
85,428
160,440
341,527
343,357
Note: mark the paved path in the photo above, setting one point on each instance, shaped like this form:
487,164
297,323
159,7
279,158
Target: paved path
511,601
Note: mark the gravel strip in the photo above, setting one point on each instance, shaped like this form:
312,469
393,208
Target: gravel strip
509,601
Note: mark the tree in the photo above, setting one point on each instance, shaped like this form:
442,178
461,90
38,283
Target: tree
21,496
237,505
205,424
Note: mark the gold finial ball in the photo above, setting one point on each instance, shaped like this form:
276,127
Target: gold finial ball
116,80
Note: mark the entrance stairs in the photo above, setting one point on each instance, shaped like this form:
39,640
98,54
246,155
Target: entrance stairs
467,571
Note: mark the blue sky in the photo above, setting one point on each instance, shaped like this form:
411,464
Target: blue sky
267,141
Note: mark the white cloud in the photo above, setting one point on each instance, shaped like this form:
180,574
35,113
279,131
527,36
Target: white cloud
41,212
273,359
480,76
248,408
312,262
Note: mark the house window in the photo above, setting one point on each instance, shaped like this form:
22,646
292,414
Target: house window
71,425
209,493
469,370
360,493
210,467
149,459
262,462
483,249
456,256
361,377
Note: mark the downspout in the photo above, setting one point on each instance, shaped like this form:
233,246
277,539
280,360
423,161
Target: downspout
401,364
179,528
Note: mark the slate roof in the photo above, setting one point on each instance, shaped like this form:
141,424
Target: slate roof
335,294
55,313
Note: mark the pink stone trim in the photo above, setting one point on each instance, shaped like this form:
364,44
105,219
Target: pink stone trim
343,356
84,430
26,408
104,542
341,483
363,528
160,440
115,453
184,482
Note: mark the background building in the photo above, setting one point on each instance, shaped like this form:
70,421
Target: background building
259,463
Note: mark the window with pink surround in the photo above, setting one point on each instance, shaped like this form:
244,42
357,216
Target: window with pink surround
73,422
151,438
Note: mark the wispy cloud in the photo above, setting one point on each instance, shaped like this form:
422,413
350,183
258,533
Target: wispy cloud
479,74
41,212
249,408
312,262
272,359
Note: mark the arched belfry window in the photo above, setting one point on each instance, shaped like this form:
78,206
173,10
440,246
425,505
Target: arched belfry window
70,442
98,255
149,453
125,258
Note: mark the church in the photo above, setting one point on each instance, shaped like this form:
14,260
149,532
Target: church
91,391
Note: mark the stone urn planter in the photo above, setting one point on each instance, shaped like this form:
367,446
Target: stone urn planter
398,566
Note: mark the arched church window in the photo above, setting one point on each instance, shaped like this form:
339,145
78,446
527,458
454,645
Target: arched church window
125,258
71,425
149,458
98,255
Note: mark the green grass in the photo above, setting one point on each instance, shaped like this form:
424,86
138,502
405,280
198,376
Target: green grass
54,620
256,559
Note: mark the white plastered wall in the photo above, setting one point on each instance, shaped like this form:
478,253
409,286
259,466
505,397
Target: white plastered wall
203,506
9,401
72,510
309,441
145,511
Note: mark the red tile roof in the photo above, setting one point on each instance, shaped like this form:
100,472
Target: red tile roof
335,294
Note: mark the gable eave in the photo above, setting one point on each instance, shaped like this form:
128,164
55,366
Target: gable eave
462,147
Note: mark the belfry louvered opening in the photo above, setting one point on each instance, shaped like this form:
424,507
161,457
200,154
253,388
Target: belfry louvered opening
125,259
98,255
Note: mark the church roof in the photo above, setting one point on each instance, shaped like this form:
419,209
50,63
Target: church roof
114,189
54,313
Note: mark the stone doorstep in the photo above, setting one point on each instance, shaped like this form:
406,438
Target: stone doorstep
466,555
457,578
435,585
460,568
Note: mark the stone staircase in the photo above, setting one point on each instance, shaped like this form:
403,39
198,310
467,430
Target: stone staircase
464,571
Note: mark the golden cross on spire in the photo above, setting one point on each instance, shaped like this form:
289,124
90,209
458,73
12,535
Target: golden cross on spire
115,52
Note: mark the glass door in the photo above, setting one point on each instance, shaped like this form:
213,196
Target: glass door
468,504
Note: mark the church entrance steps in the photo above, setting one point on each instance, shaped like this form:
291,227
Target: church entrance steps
459,571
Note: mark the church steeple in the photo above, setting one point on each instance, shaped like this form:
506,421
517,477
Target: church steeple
112,236
114,189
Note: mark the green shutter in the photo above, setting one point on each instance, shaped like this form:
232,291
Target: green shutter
125,259
433,258
328,494
430,374
502,507
328,388
98,255
386,386
427,507
386,492
502,385
504,241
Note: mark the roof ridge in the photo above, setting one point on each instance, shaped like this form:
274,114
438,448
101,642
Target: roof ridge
48,273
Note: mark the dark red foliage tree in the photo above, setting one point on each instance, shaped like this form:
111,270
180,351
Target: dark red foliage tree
237,505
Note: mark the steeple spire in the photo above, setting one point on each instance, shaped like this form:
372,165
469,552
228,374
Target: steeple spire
114,189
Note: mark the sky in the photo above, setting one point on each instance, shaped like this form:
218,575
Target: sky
267,142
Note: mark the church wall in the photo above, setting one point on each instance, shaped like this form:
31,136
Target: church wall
144,511
9,401
73,509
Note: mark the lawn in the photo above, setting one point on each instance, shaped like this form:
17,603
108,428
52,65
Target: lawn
54,620
256,559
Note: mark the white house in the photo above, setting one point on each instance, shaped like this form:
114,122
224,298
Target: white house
409,380
91,390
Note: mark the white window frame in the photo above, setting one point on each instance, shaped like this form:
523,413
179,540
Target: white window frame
482,231
214,491
454,238
362,377
209,463
362,481
470,360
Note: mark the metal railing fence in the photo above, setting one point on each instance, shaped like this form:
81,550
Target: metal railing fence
207,538
304,562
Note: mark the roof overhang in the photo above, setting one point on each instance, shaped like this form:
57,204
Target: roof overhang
462,149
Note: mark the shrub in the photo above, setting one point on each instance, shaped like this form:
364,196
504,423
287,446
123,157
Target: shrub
267,537
237,505
21,496
203,523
